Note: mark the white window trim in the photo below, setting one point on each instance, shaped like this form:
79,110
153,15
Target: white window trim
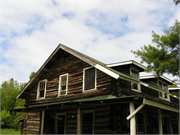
88,111
84,79
45,80
59,90
167,92
138,85
56,122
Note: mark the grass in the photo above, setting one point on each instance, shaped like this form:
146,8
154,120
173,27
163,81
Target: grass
10,131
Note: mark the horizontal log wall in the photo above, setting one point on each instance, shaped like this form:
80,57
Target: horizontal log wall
108,119
33,123
151,119
123,69
71,121
149,92
173,99
74,67
151,81
174,120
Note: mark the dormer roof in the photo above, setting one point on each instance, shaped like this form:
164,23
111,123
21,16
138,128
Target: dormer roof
168,81
130,62
174,89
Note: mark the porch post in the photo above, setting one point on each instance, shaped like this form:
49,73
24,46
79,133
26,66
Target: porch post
178,123
160,122
78,120
132,120
42,121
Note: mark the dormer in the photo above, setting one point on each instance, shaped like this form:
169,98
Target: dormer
160,81
131,68
174,91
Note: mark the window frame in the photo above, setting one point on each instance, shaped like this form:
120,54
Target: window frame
138,84
56,122
170,123
165,91
38,92
88,111
95,87
59,90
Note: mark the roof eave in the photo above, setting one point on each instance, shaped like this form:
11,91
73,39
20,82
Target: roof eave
126,63
154,76
37,73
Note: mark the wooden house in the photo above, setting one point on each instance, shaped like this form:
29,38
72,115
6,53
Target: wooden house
174,91
73,93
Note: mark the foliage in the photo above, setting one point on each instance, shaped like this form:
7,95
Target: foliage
10,120
176,1
31,75
163,58
5,118
9,91
10,131
173,86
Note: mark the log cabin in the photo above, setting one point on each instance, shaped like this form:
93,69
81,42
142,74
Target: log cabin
73,93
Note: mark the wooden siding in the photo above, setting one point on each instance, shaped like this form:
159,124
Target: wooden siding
123,69
151,81
74,67
175,100
108,119
31,123
151,119
149,92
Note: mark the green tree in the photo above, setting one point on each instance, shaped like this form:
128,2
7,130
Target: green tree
163,58
9,90
173,86
5,118
31,75
176,1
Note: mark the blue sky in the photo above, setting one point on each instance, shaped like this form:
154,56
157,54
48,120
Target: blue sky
105,30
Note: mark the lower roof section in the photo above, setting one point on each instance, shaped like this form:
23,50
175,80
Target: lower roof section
83,100
110,99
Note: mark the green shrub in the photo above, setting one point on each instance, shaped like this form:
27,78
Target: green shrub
5,118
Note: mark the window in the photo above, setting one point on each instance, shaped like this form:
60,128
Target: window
41,92
89,79
163,95
87,123
160,84
60,123
63,84
135,75
166,96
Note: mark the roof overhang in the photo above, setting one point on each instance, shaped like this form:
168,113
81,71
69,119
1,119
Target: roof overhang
127,63
154,76
152,87
154,104
171,89
95,99
159,105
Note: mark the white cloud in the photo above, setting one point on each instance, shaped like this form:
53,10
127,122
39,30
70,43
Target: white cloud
106,31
